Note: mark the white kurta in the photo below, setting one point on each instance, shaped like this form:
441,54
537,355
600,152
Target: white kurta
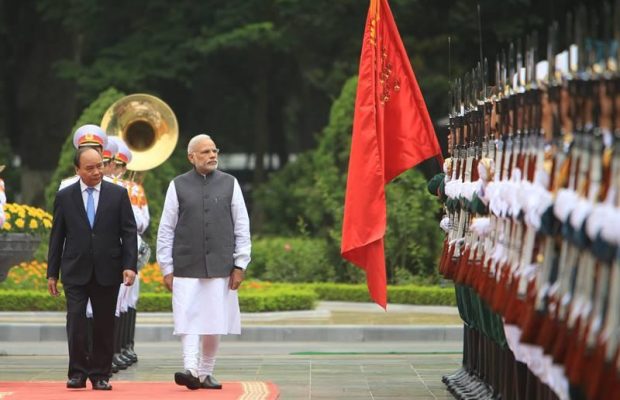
204,306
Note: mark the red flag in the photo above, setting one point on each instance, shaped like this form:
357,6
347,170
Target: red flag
392,132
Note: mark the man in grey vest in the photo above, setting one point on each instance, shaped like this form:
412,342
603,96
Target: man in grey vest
203,249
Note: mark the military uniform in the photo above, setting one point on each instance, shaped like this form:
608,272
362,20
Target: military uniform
128,295
2,199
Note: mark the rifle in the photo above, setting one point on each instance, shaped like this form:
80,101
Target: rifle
549,114
451,171
446,268
583,353
471,112
467,155
532,160
510,229
572,288
484,163
487,282
606,354
553,274
602,374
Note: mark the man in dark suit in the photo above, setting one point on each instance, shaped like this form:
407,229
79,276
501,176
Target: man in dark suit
93,247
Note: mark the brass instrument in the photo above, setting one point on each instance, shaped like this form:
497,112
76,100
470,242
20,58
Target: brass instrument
150,129
147,125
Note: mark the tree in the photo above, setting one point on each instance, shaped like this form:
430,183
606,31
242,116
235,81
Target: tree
259,75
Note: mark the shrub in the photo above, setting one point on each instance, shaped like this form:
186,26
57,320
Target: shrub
406,294
30,300
421,295
307,197
31,277
276,300
249,301
280,259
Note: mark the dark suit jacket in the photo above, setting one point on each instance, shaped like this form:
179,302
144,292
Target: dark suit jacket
77,251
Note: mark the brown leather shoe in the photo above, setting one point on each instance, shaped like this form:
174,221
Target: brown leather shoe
210,383
187,379
101,384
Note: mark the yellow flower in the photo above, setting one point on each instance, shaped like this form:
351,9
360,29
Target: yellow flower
20,218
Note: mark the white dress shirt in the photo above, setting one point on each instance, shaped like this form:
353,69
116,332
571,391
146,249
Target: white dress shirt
96,192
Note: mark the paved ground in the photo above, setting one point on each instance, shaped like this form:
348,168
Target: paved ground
315,369
405,370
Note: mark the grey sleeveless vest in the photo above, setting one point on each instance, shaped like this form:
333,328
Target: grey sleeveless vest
204,239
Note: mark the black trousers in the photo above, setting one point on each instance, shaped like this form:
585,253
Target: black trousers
98,364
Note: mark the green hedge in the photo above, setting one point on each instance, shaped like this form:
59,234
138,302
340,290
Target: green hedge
405,294
271,297
276,300
30,300
290,259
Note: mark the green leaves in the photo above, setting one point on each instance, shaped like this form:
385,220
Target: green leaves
312,188
260,34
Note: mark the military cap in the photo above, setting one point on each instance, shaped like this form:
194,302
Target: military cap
110,149
89,135
123,154
436,185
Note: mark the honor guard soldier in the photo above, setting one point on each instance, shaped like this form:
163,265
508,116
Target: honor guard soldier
108,156
128,296
2,199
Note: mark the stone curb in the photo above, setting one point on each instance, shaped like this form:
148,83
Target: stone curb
35,332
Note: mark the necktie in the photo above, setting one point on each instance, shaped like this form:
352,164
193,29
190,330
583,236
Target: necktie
90,206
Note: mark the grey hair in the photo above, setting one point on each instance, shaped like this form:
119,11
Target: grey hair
196,139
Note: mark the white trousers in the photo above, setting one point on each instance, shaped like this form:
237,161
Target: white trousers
199,354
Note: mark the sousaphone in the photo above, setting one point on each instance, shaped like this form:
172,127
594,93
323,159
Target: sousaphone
147,125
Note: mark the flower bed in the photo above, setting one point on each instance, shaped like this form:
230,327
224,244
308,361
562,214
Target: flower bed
20,218
26,289
20,234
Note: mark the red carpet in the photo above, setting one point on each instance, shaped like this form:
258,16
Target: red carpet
245,390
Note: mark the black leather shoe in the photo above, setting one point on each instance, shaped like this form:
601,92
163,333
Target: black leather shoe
131,355
76,383
187,379
101,384
119,362
125,359
210,383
